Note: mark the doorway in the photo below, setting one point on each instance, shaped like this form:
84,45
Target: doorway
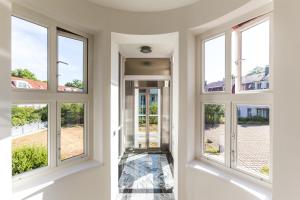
147,134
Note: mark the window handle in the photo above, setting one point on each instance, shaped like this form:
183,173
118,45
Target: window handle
238,61
62,62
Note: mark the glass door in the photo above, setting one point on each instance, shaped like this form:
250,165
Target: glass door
154,118
147,118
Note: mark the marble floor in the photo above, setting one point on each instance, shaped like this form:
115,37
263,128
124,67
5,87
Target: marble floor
146,176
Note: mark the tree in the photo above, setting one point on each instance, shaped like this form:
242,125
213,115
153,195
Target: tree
75,83
24,73
214,114
24,115
72,114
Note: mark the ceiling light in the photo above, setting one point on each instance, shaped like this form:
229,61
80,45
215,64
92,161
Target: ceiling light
145,49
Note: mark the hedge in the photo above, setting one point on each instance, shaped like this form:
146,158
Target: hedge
26,158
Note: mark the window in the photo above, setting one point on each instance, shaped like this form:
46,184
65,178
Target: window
236,131
214,61
29,137
72,130
72,65
214,131
253,141
255,62
29,55
49,126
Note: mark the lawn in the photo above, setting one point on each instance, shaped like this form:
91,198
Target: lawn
71,141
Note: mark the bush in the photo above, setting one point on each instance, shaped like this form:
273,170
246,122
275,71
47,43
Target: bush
72,114
253,120
24,115
214,114
28,157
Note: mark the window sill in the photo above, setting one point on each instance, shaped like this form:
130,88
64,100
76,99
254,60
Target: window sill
36,182
260,191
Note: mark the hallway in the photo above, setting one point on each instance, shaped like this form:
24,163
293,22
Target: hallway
146,176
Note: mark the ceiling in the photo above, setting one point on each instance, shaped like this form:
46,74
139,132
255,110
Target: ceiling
162,45
143,5
158,51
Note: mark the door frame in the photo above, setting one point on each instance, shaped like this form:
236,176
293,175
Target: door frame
147,95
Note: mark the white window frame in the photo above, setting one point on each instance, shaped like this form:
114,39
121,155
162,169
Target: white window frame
234,139
52,97
226,142
85,135
48,27
238,62
204,40
85,59
230,100
41,169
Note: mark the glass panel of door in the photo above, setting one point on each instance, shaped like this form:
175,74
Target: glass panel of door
147,118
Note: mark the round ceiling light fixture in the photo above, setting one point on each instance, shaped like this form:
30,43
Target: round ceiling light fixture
145,49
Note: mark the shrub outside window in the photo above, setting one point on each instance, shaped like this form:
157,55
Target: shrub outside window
29,137
214,132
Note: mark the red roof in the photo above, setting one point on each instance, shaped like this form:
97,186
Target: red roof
17,82
30,83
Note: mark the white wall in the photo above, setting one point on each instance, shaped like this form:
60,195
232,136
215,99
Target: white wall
286,100
95,183
5,141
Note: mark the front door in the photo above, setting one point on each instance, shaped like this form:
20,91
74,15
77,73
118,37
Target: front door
147,118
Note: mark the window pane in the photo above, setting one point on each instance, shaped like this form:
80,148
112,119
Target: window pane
29,55
72,130
70,64
214,64
214,131
253,139
255,57
29,137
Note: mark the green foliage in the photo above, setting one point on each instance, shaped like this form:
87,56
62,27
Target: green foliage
27,115
211,149
75,83
43,113
72,114
214,113
253,120
265,170
24,115
28,157
24,73
154,108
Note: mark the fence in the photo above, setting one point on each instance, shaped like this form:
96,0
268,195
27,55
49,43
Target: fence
28,128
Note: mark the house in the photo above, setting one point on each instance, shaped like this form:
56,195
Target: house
246,111
23,83
256,80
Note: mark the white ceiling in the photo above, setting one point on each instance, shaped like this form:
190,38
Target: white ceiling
163,45
158,51
143,5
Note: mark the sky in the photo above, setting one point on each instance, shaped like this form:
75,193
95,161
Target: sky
215,59
255,47
255,52
29,50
